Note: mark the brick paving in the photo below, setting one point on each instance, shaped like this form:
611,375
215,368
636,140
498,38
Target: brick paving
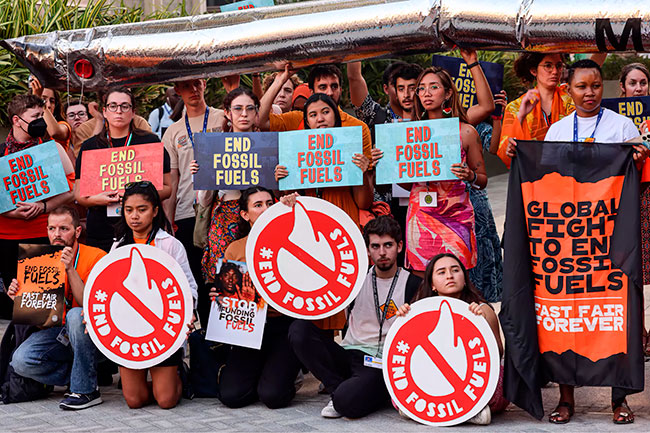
592,405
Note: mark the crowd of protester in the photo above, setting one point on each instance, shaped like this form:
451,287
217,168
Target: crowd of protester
452,249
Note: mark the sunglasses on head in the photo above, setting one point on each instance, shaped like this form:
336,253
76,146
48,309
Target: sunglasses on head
141,184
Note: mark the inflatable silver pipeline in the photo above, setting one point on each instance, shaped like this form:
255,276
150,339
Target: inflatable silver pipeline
324,31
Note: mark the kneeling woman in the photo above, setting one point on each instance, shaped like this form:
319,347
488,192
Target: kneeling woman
267,374
144,222
445,275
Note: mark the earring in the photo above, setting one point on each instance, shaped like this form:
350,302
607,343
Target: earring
435,292
446,111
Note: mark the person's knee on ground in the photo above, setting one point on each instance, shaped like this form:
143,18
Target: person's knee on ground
277,397
22,360
137,397
236,397
167,398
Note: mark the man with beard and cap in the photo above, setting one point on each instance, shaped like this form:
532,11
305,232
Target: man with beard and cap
27,223
64,355
351,371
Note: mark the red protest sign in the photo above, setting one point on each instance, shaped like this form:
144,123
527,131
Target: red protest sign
308,261
441,362
137,303
112,168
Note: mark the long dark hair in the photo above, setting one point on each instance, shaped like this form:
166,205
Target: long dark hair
227,102
469,293
160,222
453,102
244,226
326,99
102,137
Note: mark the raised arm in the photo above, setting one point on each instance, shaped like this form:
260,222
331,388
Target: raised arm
267,100
485,102
358,86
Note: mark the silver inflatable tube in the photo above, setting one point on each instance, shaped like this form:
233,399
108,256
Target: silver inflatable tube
325,31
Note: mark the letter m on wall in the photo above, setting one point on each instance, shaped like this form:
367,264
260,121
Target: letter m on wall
604,33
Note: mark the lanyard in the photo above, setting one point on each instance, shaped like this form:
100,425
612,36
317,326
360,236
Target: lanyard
575,127
68,297
381,315
190,134
394,117
128,140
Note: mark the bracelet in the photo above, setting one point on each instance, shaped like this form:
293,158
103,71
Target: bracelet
44,206
471,65
475,178
497,117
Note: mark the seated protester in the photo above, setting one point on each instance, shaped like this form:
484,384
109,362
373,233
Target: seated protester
283,100
446,275
267,374
591,122
27,223
358,390
119,108
143,221
64,355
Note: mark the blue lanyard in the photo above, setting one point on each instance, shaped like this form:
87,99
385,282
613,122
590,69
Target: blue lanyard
575,126
189,129
76,259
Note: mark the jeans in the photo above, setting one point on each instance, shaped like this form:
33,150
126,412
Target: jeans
44,358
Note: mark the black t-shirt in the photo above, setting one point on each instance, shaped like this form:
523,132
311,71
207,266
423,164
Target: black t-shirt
99,227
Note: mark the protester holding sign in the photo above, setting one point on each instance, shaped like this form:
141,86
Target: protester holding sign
351,372
57,128
592,123
119,109
143,221
440,217
530,116
28,222
321,111
447,276
63,355
267,374
241,107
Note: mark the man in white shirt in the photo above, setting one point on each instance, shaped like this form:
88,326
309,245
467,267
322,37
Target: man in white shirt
351,372
159,118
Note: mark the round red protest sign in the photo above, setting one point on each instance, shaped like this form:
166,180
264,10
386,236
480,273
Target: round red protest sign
309,261
441,362
137,303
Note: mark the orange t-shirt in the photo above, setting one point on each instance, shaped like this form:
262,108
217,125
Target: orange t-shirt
144,241
339,196
88,257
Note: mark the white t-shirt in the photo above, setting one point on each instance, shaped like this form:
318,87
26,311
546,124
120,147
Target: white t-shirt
612,128
181,154
363,326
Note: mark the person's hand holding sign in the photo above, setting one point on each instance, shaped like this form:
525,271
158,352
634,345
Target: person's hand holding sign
377,154
280,172
463,172
12,290
289,200
403,310
67,258
29,211
361,161
194,167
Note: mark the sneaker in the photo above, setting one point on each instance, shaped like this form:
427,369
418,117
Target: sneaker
484,417
329,411
77,401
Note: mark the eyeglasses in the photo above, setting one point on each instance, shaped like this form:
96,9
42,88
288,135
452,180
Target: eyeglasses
141,184
124,107
422,90
77,115
240,108
549,67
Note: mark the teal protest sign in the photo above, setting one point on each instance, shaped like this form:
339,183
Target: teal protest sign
418,151
318,158
30,175
246,4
